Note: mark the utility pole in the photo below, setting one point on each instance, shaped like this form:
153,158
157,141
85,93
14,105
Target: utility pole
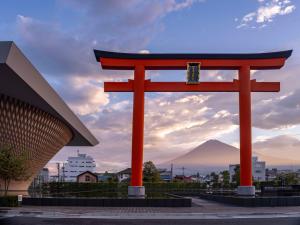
171,172
182,168
58,170
63,172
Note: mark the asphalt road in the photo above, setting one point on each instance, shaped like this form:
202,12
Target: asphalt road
82,221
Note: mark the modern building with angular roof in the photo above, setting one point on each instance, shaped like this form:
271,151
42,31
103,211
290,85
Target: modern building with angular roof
33,117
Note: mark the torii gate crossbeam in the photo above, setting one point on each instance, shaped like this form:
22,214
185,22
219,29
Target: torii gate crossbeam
244,86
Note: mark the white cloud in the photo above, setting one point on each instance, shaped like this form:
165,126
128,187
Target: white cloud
144,51
266,12
249,17
132,14
181,5
83,94
284,146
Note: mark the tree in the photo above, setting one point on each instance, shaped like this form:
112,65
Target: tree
151,174
12,167
214,180
287,179
226,178
236,176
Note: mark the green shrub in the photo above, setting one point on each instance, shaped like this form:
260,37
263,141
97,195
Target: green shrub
72,189
8,201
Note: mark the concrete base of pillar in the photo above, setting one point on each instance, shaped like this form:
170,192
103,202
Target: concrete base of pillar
136,192
246,190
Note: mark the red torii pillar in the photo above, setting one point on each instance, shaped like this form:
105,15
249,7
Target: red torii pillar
242,62
138,131
245,133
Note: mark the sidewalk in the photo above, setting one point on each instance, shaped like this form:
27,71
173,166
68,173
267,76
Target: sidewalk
202,209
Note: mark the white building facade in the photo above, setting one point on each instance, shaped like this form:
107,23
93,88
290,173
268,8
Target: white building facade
75,166
258,170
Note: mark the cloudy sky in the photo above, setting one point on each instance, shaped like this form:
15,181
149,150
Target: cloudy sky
59,37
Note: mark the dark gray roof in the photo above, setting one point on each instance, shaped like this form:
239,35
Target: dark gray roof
125,171
89,172
21,80
120,55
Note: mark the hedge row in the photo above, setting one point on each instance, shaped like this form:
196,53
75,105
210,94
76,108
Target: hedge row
70,189
8,201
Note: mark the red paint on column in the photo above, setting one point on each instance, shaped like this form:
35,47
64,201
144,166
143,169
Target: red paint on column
138,127
245,127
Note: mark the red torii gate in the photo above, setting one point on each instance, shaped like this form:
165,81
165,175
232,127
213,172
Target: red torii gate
244,85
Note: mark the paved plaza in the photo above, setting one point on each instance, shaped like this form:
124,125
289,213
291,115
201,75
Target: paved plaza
201,210
84,221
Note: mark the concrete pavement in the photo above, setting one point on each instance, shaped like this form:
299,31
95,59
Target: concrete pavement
89,221
201,210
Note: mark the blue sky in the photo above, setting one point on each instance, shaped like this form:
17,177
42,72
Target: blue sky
58,37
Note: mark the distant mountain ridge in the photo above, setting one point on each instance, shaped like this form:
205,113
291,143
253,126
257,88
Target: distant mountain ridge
214,155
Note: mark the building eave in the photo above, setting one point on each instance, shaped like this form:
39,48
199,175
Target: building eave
21,80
